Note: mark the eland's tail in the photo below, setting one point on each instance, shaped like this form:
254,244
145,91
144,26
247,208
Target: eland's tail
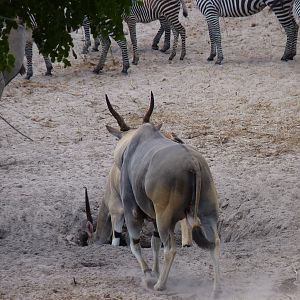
204,224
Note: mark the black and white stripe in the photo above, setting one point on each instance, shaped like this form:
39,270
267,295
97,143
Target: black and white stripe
166,28
105,42
297,8
166,11
213,9
87,37
28,53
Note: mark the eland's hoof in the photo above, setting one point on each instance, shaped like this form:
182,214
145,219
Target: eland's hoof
159,287
216,294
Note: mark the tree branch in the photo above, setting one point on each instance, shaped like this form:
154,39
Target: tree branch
16,129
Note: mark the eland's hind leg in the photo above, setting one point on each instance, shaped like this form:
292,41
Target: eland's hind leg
215,255
186,233
155,246
166,232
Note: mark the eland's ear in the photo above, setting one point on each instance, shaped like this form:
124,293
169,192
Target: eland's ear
117,133
159,126
89,229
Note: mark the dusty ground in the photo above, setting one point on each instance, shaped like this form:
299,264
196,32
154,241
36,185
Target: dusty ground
244,116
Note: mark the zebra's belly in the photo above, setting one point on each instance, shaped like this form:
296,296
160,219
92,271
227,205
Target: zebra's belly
239,14
238,8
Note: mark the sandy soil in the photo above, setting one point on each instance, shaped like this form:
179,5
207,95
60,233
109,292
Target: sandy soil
244,116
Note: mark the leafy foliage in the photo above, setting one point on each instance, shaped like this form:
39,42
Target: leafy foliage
55,20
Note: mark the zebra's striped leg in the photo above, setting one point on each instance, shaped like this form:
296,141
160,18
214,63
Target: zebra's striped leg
167,41
105,47
215,39
87,36
132,30
164,28
178,29
158,37
96,44
291,43
123,46
175,43
28,54
48,65
183,48
213,48
285,16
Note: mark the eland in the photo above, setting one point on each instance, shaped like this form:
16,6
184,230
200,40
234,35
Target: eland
164,182
110,220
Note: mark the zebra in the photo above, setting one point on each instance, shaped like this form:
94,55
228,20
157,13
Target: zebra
150,10
28,55
28,52
213,9
105,42
87,37
165,28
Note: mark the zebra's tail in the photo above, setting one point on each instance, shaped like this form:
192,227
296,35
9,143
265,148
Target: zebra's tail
184,8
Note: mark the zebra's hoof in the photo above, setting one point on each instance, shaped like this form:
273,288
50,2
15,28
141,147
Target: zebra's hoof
164,49
28,75
154,47
124,72
218,62
95,49
287,57
135,62
84,51
97,71
48,73
172,56
210,58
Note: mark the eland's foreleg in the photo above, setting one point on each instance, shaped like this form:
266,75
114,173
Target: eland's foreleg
135,247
